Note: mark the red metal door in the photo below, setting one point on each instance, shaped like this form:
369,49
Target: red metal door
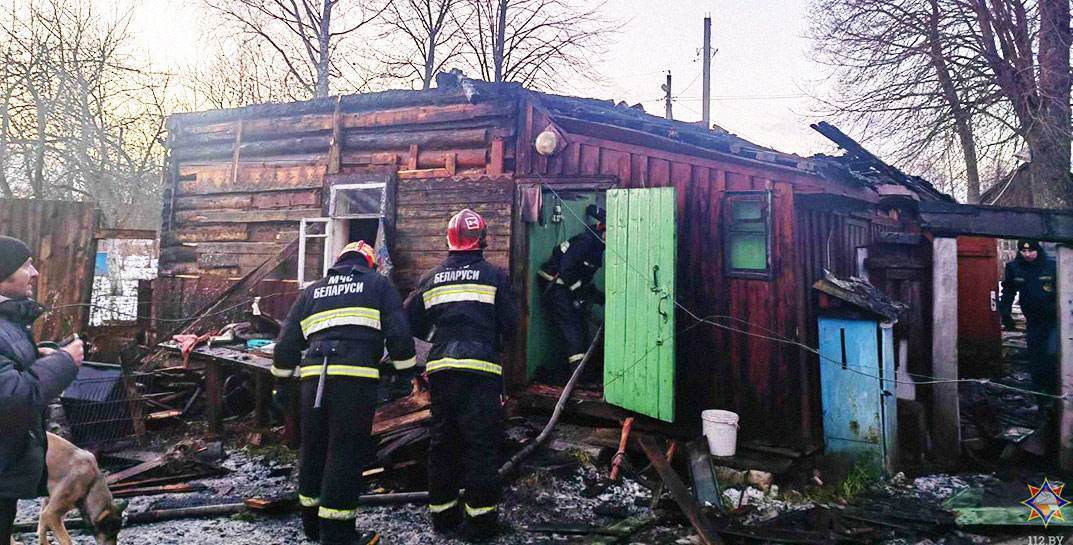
979,331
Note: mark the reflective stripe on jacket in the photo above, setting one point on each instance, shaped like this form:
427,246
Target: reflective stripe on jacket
344,320
465,309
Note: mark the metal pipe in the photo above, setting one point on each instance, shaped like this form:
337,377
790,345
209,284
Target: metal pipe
567,390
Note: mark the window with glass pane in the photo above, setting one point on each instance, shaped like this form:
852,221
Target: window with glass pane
747,246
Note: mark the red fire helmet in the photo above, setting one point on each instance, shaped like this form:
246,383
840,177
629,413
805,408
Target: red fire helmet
368,252
466,231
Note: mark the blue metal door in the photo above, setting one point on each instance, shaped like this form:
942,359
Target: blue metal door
859,418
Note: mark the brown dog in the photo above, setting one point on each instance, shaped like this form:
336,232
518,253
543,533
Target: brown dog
74,480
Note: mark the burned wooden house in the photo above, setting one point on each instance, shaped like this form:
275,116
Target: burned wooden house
711,255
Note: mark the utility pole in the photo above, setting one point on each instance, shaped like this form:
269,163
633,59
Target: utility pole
706,110
667,89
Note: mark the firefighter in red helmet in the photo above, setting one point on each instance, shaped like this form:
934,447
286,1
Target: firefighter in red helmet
465,309
343,322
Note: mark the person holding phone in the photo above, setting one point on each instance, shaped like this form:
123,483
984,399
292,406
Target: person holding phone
30,377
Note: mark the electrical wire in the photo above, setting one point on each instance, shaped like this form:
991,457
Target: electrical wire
930,380
188,318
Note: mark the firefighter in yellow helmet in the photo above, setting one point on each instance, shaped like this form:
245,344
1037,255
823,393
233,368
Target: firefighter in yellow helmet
465,309
343,321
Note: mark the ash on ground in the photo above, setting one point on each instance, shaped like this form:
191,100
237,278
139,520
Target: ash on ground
554,487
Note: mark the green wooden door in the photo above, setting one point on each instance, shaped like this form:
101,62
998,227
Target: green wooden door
639,320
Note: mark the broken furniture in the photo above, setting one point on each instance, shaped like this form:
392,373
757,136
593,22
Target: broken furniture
215,359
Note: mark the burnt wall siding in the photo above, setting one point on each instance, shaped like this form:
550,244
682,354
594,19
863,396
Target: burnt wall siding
716,368
60,235
424,208
239,188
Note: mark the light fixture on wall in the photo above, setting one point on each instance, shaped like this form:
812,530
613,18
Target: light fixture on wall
550,141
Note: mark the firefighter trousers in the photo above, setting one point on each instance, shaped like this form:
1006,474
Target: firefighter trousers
465,447
569,321
335,449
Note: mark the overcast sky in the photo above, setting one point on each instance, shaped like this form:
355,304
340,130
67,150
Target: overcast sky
761,72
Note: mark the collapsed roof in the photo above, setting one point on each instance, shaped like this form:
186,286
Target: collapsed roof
857,167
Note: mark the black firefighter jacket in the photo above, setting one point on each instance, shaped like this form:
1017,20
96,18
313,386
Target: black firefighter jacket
348,317
574,263
465,309
1036,283
27,384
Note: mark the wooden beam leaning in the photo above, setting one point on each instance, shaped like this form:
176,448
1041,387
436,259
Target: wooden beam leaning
944,347
237,289
1065,353
680,493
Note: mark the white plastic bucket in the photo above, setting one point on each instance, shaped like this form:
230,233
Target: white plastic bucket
721,430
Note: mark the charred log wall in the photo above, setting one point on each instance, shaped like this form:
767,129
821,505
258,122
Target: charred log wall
240,180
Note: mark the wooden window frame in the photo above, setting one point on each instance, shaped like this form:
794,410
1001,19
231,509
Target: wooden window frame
729,198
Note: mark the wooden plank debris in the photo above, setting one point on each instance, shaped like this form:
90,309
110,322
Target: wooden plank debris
134,471
181,488
680,493
706,488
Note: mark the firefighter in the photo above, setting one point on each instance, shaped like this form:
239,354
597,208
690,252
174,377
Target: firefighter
465,309
343,321
1031,278
566,279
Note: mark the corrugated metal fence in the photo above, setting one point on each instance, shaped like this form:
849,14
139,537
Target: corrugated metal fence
61,236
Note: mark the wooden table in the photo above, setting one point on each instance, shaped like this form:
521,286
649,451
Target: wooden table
215,358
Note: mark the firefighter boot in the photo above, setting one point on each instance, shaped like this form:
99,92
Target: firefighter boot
310,523
448,520
342,532
481,529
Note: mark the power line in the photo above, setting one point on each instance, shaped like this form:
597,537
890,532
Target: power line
140,317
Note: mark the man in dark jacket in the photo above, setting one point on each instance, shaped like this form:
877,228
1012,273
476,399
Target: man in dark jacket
566,279
465,305
29,379
343,321
1031,277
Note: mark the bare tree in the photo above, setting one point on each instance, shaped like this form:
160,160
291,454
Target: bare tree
988,75
904,72
534,42
305,35
238,76
429,34
1026,47
81,120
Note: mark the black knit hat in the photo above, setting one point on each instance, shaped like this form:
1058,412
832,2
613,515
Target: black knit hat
13,253
1025,244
